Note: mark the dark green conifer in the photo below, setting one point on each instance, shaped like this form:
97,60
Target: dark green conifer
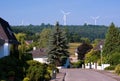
58,46
112,40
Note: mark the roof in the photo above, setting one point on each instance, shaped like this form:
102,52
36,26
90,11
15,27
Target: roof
28,42
6,32
38,53
98,46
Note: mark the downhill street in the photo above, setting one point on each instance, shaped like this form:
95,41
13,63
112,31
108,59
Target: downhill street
87,75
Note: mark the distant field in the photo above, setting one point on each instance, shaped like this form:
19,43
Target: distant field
72,47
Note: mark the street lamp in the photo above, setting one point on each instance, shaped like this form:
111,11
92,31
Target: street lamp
101,55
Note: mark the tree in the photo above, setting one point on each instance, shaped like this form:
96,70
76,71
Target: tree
113,58
44,37
82,50
21,38
112,41
92,56
86,40
111,49
58,46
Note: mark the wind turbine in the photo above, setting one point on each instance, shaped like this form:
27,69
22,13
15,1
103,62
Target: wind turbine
22,22
95,19
65,16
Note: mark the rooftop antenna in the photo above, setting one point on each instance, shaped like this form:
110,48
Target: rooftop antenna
95,19
65,16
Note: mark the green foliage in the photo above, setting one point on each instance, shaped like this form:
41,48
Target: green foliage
33,63
22,47
112,42
113,58
58,46
11,66
63,59
111,48
77,64
44,38
37,71
86,40
96,41
82,50
11,73
117,69
74,32
92,56
110,68
20,37
26,79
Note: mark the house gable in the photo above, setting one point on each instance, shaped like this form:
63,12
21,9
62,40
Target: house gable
7,38
6,33
39,55
99,44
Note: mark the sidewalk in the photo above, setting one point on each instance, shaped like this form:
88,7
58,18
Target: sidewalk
59,77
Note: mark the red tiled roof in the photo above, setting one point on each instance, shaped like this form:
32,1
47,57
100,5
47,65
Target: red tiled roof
6,32
41,52
28,42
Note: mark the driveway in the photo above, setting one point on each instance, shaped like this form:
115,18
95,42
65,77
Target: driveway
86,75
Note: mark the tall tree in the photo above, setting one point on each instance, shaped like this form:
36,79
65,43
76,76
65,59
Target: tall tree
44,37
21,38
111,48
92,56
112,40
58,46
83,49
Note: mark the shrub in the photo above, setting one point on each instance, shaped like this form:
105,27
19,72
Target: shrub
10,66
63,60
35,71
113,58
38,71
26,79
117,69
77,64
110,68
11,73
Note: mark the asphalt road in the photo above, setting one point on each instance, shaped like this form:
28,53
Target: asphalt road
85,75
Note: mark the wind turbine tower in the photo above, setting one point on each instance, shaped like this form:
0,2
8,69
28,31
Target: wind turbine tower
22,22
95,19
65,16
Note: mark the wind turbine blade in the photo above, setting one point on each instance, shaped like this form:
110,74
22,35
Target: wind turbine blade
92,17
62,11
97,17
67,13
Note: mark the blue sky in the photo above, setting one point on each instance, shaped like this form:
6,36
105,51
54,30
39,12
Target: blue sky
35,12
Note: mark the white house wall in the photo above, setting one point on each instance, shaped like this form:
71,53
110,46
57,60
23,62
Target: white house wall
4,50
42,60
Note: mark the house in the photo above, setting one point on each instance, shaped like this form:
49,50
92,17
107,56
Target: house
28,42
39,55
99,45
7,39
